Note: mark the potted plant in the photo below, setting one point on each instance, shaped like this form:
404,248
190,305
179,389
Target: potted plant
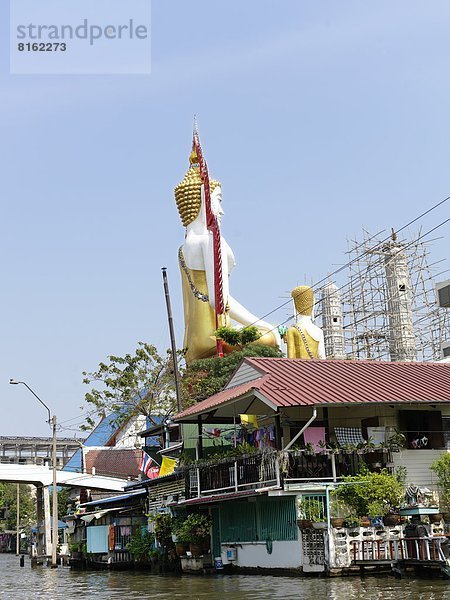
338,510
349,448
195,530
391,518
351,521
396,441
309,449
311,512
180,537
371,494
75,550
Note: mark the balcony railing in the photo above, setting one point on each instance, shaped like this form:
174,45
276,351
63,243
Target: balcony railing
304,466
265,469
418,549
230,475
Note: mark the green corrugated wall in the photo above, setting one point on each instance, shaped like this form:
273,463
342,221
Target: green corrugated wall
244,521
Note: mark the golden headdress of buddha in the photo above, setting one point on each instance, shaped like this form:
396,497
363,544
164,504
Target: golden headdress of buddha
303,296
188,194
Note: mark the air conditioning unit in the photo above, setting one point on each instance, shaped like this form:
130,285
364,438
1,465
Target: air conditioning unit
445,347
443,293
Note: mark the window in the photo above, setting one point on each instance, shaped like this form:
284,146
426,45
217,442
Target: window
422,428
444,297
446,429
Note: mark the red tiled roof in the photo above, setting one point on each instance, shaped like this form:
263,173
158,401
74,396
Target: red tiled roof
123,462
294,382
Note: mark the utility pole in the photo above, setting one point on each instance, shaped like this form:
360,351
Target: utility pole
55,498
172,337
51,421
17,521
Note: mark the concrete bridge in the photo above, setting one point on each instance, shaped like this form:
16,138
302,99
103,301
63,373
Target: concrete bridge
36,450
42,478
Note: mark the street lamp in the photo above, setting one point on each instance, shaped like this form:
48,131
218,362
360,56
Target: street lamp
51,420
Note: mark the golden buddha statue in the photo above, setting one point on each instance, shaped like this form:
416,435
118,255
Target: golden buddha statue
304,339
197,270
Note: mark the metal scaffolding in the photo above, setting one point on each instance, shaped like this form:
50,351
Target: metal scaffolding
389,301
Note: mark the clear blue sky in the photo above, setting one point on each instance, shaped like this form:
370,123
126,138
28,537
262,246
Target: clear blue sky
317,116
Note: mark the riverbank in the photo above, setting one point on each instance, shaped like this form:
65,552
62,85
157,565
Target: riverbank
63,583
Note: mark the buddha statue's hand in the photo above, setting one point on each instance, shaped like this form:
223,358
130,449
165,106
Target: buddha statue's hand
269,334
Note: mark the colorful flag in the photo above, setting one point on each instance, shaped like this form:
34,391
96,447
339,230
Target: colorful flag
146,463
249,420
167,466
152,472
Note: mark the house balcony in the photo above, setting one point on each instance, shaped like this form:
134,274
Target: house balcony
274,469
233,475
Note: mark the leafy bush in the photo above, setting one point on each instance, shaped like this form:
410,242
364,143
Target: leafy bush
238,337
229,335
141,545
249,334
371,494
207,376
194,530
164,529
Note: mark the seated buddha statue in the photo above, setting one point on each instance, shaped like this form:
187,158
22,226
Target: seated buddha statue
304,339
197,270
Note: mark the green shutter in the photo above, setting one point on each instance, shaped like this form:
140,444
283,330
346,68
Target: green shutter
267,518
277,519
238,522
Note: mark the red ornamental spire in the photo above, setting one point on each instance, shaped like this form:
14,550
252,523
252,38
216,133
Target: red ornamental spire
212,226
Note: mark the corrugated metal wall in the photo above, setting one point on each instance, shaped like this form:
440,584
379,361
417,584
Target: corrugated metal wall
238,522
159,492
244,521
278,518
417,463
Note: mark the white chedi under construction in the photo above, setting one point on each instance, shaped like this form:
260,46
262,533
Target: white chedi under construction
332,322
402,345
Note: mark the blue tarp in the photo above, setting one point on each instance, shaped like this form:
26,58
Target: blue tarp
61,525
113,499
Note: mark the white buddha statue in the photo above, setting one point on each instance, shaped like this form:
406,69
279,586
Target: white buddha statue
304,339
197,270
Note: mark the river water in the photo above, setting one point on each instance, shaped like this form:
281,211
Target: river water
53,584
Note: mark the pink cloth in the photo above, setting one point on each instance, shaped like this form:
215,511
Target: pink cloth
314,435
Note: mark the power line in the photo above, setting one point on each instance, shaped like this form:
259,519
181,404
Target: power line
349,263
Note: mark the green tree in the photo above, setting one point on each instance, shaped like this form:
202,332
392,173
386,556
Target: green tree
441,467
8,500
207,376
63,502
135,384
